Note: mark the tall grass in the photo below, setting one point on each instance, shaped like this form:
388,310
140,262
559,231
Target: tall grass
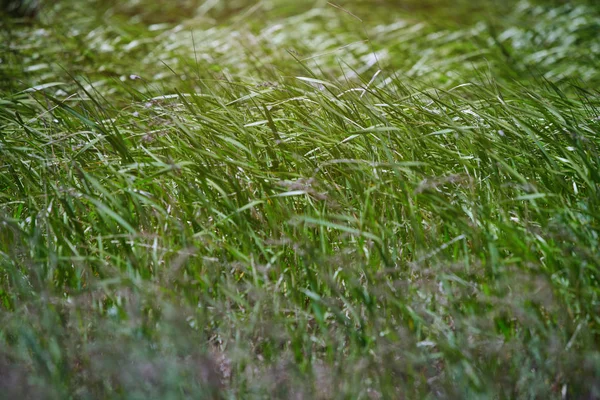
300,201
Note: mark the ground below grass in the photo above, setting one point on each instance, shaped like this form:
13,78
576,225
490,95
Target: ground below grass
300,200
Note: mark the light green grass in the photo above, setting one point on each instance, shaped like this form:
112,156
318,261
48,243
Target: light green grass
300,200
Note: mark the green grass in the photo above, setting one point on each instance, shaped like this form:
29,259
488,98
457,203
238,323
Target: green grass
231,199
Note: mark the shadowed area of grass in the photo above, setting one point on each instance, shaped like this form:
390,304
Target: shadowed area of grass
284,199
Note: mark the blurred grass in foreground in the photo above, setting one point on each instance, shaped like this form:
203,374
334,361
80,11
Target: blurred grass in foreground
300,200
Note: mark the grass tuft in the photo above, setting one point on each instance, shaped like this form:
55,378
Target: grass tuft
292,200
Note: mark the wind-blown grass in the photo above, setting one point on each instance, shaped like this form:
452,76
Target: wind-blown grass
307,201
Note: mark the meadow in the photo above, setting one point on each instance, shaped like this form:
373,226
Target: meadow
300,200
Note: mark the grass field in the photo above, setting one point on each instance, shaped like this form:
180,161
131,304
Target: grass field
300,200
